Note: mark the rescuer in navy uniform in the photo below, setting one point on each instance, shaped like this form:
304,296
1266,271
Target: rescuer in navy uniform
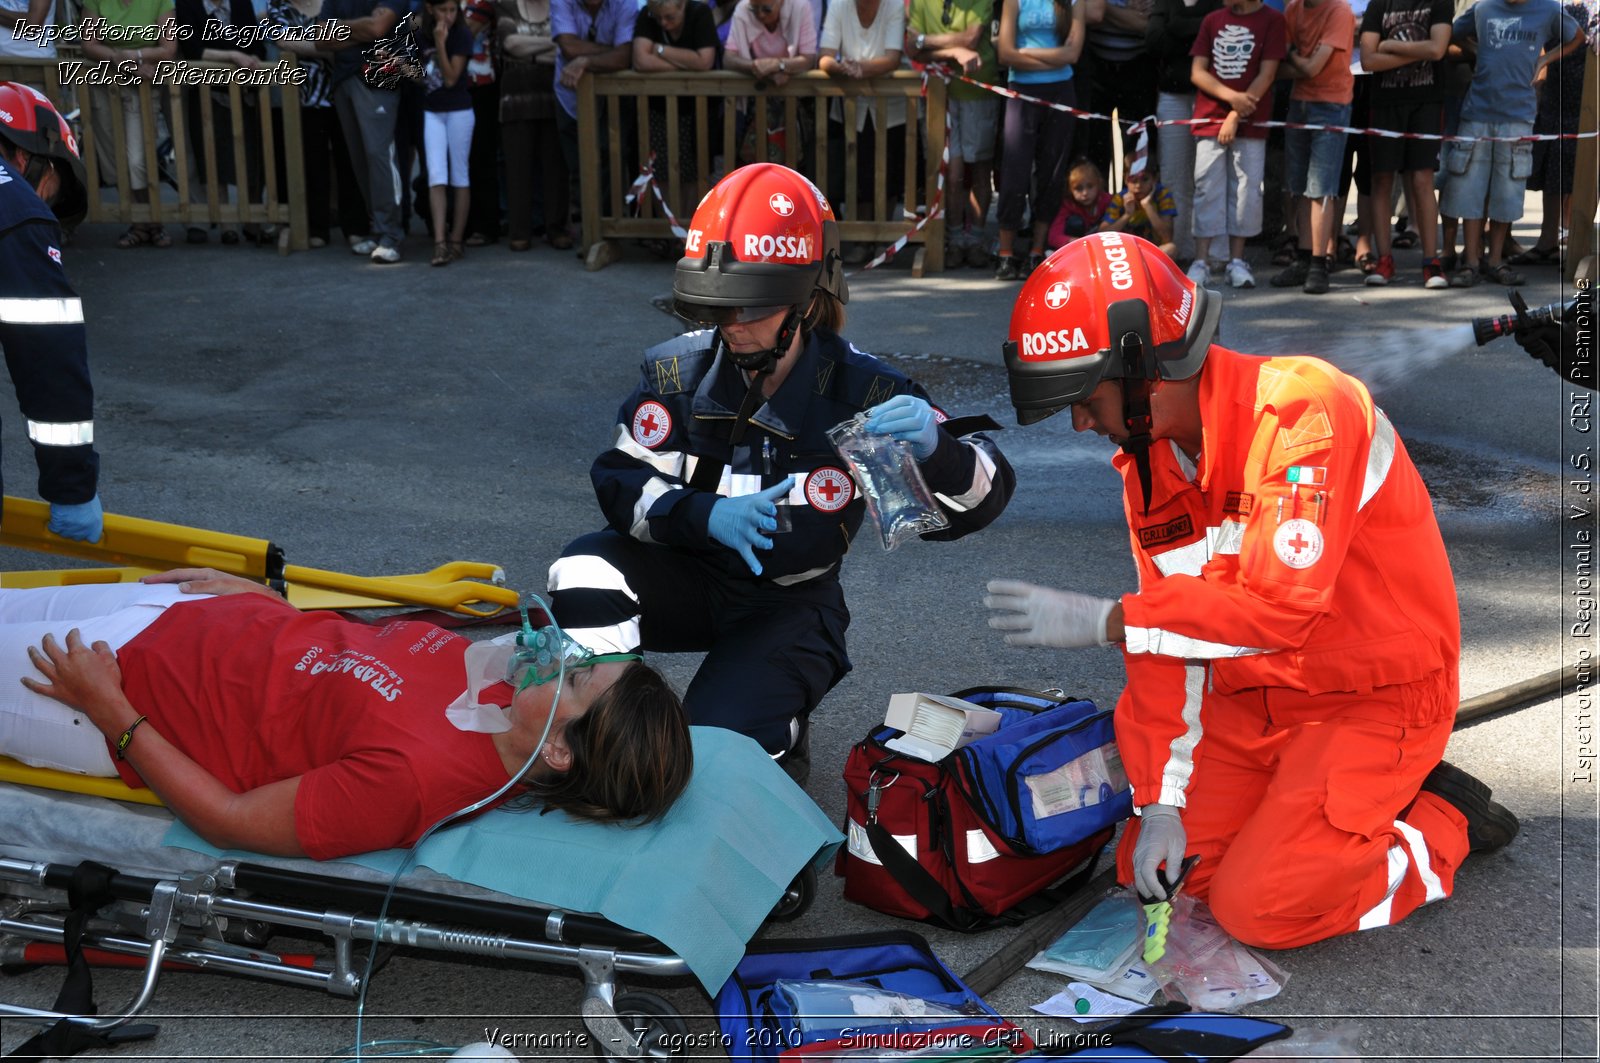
42,189
728,427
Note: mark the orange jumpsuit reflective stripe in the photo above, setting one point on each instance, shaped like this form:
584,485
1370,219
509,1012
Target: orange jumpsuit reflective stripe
1295,579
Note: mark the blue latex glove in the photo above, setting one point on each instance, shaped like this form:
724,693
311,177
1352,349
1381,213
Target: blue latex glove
739,523
1161,842
908,419
84,521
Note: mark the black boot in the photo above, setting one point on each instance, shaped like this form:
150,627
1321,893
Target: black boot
1490,825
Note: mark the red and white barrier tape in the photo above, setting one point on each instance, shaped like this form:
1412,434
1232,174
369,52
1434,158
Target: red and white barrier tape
647,179
1151,122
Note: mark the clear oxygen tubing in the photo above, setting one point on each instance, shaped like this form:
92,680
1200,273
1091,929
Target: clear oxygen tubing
406,864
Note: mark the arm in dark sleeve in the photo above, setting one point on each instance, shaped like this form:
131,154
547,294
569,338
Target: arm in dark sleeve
971,480
41,329
644,491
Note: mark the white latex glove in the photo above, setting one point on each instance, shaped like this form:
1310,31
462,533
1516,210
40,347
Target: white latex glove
1161,841
1039,616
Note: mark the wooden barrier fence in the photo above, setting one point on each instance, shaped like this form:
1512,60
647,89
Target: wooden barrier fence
250,111
612,107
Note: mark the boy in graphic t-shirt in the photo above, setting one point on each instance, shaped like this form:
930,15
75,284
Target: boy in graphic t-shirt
1403,44
1236,57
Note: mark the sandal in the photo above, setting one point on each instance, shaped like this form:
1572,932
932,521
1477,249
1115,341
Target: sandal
478,240
520,245
1367,263
230,236
441,255
1284,256
195,235
1537,256
1404,240
140,236
1503,274
561,241
1465,277
458,251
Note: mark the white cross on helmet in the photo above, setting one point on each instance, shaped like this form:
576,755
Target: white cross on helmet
1056,297
781,204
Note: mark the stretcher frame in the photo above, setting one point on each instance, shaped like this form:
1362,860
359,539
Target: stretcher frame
220,920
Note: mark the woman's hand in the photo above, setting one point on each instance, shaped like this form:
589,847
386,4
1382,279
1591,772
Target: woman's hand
86,678
208,581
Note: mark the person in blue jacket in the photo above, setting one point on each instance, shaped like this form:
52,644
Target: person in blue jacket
43,188
725,434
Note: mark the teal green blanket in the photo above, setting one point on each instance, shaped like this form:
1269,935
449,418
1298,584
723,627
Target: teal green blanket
700,880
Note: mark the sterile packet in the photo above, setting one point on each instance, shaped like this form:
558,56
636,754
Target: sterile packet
897,497
1341,1042
1207,968
1098,947
818,1006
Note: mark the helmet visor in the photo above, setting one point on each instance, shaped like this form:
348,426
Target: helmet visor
702,314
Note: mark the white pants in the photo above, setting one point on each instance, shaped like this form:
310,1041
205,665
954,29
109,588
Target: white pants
41,731
1227,186
1176,144
447,138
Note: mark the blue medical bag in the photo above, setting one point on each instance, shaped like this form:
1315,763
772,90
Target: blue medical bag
1050,776
1186,1037
758,1025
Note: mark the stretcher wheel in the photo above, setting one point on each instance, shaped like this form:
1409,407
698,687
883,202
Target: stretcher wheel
655,1028
796,900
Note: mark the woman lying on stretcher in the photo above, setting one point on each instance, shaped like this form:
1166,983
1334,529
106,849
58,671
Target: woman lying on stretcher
305,734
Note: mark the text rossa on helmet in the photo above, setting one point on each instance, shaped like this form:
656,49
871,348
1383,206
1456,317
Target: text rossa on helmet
28,121
1106,306
762,240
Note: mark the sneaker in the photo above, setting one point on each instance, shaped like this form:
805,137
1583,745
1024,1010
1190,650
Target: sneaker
1433,275
364,247
1199,271
796,760
383,254
1490,825
1316,282
1239,274
1010,268
1382,272
1294,275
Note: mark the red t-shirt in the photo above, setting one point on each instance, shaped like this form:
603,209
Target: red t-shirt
256,692
1237,45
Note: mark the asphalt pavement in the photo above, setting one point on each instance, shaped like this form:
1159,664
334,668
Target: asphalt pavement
383,419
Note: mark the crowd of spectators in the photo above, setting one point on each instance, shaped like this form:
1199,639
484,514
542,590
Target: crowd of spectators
487,144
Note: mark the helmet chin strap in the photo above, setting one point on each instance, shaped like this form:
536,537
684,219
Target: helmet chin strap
1136,409
765,361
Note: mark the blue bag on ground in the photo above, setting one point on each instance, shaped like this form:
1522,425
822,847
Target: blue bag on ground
758,1022
1186,1037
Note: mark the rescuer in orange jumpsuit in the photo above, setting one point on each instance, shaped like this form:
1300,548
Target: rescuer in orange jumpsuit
1292,651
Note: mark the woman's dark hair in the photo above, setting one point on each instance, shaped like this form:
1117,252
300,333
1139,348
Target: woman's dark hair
631,754
825,312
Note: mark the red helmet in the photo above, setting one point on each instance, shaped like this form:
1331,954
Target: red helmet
1108,305
29,122
763,239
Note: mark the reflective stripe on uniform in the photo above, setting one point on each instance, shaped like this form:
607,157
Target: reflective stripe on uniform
1382,913
1171,644
978,490
61,433
1175,773
41,311
1224,538
589,572
1380,456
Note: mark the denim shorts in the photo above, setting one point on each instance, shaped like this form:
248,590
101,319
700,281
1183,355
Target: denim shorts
1487,179
1313,156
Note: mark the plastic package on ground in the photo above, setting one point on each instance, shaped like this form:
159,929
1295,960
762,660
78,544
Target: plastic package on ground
897,497
818,1006
1100,945
1341,1043
1207,968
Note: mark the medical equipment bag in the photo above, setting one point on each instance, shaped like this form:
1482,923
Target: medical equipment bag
977,839
1193,1036
759,1024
